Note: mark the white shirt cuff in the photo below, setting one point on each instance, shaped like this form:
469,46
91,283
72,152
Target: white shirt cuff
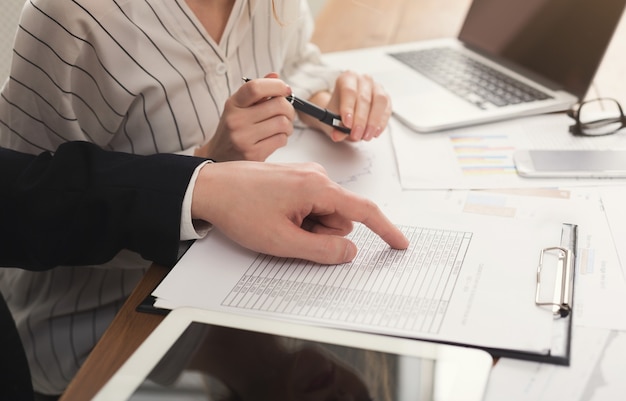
190,229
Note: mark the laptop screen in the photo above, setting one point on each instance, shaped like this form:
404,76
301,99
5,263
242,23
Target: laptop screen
561,40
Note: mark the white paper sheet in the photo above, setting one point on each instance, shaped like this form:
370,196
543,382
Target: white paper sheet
514,380
482,156
607,381
599,282
596,372
484,297
613,200
368,168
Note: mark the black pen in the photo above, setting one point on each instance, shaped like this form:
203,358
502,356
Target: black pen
325,116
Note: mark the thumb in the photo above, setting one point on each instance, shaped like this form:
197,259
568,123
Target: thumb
338,136
271,75
325,249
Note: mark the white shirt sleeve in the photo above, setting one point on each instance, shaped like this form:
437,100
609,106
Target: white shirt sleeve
190,229
303,68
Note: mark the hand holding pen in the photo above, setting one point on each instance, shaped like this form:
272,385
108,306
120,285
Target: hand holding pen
321,114
362,103
365,108
256,120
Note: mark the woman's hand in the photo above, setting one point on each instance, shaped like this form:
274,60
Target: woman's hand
257,120
362,103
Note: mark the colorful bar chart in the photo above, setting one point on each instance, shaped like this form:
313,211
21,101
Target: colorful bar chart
484,155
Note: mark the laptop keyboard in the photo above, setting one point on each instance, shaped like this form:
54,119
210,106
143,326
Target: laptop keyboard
468,78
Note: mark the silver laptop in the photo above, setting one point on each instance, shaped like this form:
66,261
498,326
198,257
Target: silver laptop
511,58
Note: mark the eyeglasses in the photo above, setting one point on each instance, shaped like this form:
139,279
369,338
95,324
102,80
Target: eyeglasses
597,117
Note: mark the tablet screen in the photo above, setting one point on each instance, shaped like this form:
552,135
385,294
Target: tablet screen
261,359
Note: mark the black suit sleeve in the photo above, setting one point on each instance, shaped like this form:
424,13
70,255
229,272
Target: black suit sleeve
83,205
15,380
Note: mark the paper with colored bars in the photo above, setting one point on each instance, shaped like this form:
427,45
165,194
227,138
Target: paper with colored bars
481,157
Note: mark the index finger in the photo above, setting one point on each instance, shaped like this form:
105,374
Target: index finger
257,90
365,211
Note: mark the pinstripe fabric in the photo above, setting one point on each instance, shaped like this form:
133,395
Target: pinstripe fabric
61,313
140,76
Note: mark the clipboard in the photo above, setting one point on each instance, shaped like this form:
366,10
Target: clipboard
561,304
556,300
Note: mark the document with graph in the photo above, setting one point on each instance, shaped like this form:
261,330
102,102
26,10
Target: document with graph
466,280
481,157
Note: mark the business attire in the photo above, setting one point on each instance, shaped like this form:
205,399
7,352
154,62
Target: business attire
83,205
15,380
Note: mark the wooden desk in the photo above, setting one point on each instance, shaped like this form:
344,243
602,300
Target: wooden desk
127,331
341,25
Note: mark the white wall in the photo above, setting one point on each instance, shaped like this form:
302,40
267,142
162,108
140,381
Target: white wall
9,17
316,5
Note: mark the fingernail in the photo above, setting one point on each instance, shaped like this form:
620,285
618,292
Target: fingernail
349,253
373,132
358,132
378,131
348,120
337,136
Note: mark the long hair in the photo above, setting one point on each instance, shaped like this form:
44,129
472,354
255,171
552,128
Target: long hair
280,19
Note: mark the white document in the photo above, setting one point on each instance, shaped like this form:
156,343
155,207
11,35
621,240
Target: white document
594,370
367,168
607,381
482,156
600,287
465,279
613,200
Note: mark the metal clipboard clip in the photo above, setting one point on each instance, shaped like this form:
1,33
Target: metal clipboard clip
564,281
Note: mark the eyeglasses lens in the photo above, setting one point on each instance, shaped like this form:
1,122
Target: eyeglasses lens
600,117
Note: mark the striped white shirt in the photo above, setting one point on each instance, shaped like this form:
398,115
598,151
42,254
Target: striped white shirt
140,76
